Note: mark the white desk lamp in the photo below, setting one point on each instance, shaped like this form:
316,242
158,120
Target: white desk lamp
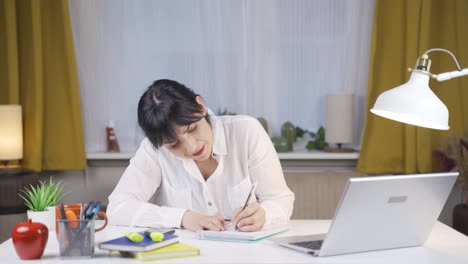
414,102
339,121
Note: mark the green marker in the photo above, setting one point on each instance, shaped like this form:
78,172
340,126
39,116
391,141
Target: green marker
135,237
156,236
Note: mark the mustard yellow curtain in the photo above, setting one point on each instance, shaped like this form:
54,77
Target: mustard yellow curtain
403,30
38,71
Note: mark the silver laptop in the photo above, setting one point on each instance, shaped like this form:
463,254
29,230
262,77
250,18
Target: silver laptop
380,212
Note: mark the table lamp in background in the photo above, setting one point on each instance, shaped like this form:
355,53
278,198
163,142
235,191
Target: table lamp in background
13,177
414,102
11,136
339,125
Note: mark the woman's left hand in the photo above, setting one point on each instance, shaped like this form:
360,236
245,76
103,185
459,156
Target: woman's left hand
252,218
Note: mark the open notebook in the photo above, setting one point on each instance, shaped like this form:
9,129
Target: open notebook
230,234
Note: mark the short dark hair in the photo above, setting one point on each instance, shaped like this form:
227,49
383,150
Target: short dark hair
164,104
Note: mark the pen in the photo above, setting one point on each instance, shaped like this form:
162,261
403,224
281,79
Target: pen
90,212
247,201
81,211
65,223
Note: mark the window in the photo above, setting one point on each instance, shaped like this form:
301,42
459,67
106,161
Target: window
276,59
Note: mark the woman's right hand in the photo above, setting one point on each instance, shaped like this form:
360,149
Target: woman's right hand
197,222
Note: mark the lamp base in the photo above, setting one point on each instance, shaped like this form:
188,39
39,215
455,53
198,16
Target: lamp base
340,150
10,170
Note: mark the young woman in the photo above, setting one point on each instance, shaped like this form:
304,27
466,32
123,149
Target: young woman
199,167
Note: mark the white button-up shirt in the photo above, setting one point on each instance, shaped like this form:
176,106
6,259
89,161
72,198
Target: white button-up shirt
245,156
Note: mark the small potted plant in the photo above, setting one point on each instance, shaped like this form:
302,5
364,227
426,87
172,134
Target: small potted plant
41,201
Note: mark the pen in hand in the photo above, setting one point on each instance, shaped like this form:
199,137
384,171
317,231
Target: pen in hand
246,201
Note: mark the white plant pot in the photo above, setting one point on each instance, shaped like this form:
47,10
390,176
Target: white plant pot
46,217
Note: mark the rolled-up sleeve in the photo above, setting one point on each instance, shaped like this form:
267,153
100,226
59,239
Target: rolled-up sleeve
128,203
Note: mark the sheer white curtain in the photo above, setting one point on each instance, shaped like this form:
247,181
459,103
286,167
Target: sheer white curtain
277,59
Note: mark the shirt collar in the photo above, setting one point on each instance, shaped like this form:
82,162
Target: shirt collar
219,137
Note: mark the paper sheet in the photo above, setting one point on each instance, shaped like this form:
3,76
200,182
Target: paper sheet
230,234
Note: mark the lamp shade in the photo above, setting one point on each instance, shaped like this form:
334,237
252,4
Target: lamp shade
413,103
339,118
11,132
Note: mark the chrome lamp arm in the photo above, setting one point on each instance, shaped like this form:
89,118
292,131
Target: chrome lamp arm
423,65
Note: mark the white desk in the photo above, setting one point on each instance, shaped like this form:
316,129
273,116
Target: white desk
444,245
293,155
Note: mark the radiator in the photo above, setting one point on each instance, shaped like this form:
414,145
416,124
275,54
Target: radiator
317,192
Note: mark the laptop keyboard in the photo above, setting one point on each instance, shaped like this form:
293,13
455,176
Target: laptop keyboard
316,244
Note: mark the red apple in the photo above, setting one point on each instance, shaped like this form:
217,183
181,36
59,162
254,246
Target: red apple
30,239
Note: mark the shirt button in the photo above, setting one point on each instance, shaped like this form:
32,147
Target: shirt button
210,204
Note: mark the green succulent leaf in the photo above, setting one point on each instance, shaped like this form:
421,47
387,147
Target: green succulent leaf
310,145
321,132
300,132
45,194
318,140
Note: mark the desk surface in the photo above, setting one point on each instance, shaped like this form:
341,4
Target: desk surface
293,155
444,245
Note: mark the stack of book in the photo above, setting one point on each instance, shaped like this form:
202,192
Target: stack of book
147,249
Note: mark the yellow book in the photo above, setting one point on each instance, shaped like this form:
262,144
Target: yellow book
177,250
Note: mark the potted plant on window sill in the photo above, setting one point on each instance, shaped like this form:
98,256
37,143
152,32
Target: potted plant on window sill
41,201
455,158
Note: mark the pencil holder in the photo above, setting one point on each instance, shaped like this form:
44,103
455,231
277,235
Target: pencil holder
76,238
